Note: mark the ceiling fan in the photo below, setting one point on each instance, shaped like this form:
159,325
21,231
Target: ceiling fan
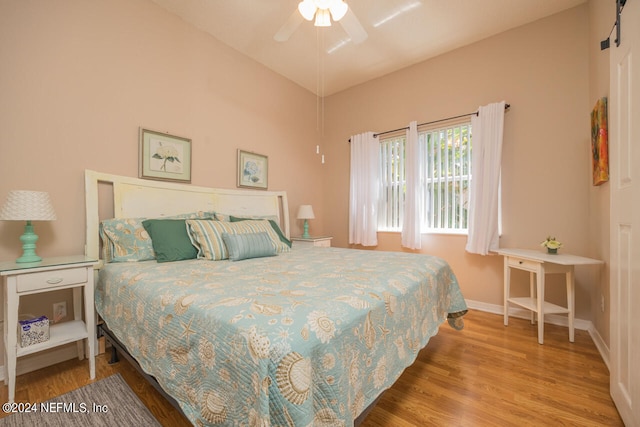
323,10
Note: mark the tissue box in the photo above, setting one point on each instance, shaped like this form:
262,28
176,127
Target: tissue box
33,331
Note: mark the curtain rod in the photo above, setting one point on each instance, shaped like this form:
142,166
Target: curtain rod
375,135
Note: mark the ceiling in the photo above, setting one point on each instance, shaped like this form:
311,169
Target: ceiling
325,61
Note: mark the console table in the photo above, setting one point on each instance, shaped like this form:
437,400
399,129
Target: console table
538,264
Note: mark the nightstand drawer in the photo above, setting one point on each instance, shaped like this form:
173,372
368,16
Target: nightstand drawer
524,264
51,279
323,243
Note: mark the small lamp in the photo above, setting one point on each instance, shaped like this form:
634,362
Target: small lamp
305,212
28,206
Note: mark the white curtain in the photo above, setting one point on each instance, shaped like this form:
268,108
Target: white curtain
363,206
484,203
411,233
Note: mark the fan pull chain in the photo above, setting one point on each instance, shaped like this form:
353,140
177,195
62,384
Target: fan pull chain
320,81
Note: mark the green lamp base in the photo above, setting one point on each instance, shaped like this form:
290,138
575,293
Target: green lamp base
306,234
29,239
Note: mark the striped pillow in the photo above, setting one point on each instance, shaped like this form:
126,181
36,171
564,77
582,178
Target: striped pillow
249,245
206,235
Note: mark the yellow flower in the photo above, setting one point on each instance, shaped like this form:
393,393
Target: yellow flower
551,243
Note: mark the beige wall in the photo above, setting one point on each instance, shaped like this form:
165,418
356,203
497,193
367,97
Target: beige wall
77,80
542,70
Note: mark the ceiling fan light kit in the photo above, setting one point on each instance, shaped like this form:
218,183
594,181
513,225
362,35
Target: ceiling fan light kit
323,10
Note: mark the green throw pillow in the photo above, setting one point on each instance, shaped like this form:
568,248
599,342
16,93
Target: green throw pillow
170,239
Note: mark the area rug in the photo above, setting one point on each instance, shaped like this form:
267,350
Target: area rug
108,402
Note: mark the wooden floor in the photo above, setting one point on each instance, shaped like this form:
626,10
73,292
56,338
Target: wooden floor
484,375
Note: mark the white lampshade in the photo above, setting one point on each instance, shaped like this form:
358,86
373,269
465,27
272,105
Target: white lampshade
307,9
323,18
28,206
338,10
305,212
323,4
24,205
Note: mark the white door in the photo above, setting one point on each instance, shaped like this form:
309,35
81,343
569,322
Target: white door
624,146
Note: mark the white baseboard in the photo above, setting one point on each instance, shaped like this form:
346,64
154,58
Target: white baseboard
600,345
40,360
584,325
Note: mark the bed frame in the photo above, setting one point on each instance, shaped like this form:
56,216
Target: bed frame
134,198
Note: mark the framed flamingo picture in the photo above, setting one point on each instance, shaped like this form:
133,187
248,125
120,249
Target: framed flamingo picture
599,143
164,157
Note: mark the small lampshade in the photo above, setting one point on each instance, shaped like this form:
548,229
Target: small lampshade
305,212
24,205
28,206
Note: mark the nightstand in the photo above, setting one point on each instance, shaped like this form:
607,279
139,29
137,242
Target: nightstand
318,241
52,274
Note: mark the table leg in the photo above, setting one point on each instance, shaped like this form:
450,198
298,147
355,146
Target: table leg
571,301
540,302
4,324
77,315
532,294
507,283
12,302
90,320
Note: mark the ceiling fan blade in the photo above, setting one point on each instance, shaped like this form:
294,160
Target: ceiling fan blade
352,26
289,27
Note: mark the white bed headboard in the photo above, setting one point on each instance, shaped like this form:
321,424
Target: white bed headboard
134,198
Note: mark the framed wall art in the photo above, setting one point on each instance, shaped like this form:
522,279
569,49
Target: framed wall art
599,143
164,157
253,170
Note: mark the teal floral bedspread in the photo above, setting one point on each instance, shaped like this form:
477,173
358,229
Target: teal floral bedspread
305,338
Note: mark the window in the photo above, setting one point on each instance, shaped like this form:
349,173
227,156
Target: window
445,157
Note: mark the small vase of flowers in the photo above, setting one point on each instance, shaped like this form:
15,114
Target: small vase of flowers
552,245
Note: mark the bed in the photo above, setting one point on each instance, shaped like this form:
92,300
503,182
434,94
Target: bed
289,336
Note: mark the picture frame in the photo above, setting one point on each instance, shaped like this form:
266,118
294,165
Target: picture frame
253,170
599,143
164,157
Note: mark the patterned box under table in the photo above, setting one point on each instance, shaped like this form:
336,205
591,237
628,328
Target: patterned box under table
33,331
